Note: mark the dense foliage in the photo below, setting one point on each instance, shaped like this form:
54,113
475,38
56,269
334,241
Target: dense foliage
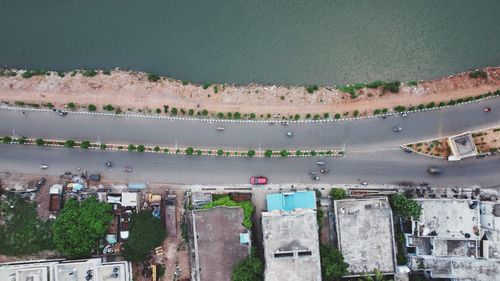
338,193
405,207
247,207
22,232
249,269
79,225
146,233
333,266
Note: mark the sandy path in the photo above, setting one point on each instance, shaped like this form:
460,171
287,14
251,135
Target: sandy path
133,90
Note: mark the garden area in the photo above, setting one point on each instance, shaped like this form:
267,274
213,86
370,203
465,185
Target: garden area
437,148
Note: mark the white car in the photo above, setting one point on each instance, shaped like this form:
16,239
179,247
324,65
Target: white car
44,166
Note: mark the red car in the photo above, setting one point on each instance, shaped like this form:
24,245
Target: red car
487,109
258,180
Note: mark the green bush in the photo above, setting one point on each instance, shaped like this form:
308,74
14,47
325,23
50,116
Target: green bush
71,106
85,144
220,115
39,142
412,83
284,153
173,111
198,152
22,140
153,77
308,115
316,117
251,153
131,147
249,269
69,143
400,108
384,110
298,153
91,107
31,73
216,89
6,139
431,105
102,146
313,153
184,82
392,87
326,115
206,85
268,153
296,117
478,74
60,74
421,106
190,112
356,113
141,148
189,151
377,111
337,116
108,107
441,104
89,73
375,84
252,116
220,152
312,88
338,193
333,265
237,115
204,112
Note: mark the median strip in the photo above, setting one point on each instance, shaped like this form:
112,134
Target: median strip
190,151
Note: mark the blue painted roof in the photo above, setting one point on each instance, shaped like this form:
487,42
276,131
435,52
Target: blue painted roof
244,238
291,201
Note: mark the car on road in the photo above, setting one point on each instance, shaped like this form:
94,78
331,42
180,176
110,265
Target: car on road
258,180
315,178
397,129
44,166
487,109
435,170
404,114
127,169
407,150
364,183
108,164
285,123
320,162
290,134
324,170
220,129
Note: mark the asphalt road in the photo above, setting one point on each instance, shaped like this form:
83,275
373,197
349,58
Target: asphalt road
359,135
382,167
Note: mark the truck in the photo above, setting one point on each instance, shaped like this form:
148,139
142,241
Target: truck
55,194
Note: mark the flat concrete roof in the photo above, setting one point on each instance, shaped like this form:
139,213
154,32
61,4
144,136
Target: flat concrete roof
365,234
217,242
291,245
448,218
463,269
60,270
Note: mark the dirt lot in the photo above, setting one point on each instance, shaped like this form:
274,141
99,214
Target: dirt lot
131,90
488,140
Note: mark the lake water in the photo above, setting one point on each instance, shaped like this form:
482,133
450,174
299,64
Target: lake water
262,41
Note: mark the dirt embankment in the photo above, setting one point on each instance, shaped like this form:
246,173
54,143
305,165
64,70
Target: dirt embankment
132,90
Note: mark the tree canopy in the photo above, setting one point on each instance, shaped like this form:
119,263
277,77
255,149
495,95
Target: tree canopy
146,233
22,232
249,269
79,225
333,266
405,207
338,193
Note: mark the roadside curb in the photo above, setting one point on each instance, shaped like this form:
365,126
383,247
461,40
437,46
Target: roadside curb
213,120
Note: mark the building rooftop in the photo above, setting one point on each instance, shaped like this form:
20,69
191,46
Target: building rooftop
365,234
452,219
461,269
216,235
291,201
291,245
59,270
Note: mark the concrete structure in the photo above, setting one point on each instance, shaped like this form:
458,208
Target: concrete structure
215,242
445,241
62,270
198,199
365,235
291,245
461,146
291,200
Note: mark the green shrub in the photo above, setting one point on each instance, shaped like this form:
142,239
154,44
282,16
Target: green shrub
60,74
431,104
204,112
377,111
189,151
405,207
337,116
69,143
338,193
6,139
268,153
31,73
85,144
421,106
102,146
39,142
412,83
312,88
206,85
385,110
284,153
220,152
298,153
296,117
237,115
229,115
400,108
198,152
216,89
184,82
313,153
19,103
89,73
316,116
478,74
153,77
71,106
141,148
220,115
452,102
375,84
308,115
106,72
251,153
108,107
392,87
173,111
131,147
441,104
252,115
190,112
356,113
91,107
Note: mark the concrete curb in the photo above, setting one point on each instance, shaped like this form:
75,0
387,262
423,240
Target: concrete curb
210,120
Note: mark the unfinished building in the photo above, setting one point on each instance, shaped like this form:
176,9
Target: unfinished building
365,235
218,242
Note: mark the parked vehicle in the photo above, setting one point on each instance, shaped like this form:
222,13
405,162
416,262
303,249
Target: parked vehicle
290,134
397,129
55,202
44,166
127,169
315,178
487,109
258,180
220,129
364,183
404,114
108,164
